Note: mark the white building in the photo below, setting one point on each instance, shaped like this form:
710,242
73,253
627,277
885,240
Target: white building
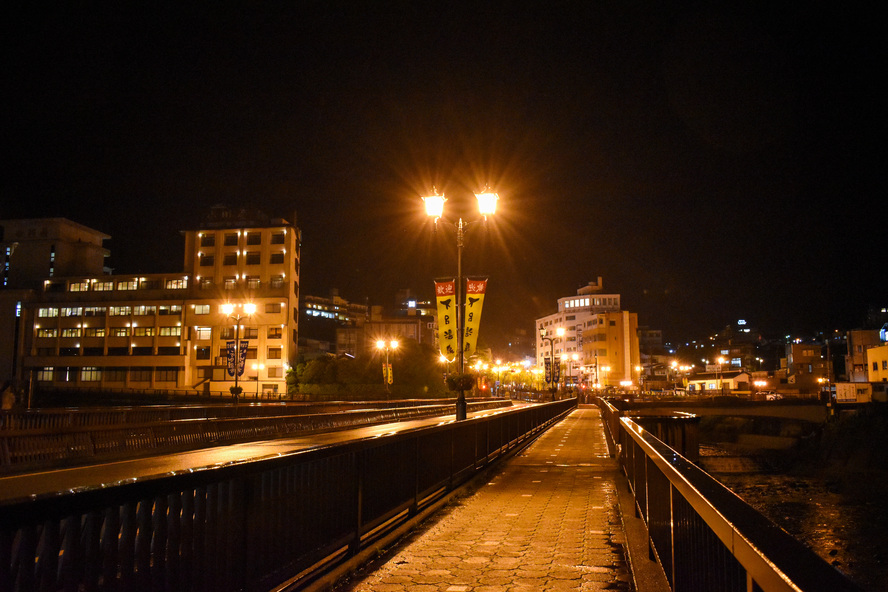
572,314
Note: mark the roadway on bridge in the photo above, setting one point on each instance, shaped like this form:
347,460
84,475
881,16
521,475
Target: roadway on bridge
50,483
549,519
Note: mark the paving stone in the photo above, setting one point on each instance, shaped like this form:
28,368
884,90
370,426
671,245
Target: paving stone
546,521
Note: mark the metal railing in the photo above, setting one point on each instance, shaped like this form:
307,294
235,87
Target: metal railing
704,536
254,525
34,440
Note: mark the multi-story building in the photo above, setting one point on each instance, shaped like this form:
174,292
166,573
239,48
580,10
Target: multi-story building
877,363
585,320
804,369
34,250
859,341
173,331
610,349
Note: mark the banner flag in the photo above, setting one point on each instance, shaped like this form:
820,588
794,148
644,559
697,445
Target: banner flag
235,360
445,295
475,290
242,359
556,373
229,345
387,373
547,363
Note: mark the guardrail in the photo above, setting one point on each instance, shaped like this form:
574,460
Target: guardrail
75,438
255,525
704,536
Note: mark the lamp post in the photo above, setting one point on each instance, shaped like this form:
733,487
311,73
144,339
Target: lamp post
573,359
434,205
248,310
718,374
544,337
605,369
257,368
387,374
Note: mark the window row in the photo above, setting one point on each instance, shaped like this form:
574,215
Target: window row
135,350
232,239
271,353
206,333
250,258
94,285
97,374
250,282
110,332
111,311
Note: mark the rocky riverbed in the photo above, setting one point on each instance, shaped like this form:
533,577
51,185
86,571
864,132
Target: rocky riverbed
843,518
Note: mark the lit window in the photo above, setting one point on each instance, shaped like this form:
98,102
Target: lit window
201,309
179,284
90,374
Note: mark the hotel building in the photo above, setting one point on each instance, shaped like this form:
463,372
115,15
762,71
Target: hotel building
597,332
79,328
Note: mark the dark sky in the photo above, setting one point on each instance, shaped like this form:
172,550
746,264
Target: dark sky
709,163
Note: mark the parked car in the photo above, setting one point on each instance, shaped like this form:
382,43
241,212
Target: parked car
772,396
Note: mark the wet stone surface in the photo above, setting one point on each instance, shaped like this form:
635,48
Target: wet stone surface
548,520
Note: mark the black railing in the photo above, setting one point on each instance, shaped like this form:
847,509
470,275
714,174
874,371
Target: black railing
254,525
705,537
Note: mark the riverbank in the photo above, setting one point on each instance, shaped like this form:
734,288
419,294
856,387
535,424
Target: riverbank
828,490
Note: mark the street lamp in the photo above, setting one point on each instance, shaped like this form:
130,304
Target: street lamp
605,369
543,337
257,368
718,374
387,369
434,205
236,363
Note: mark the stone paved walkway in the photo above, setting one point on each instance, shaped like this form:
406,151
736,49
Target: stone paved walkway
547,520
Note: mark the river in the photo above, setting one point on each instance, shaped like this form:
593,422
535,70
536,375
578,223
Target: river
844,521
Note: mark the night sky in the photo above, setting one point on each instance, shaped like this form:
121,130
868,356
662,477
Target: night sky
709,163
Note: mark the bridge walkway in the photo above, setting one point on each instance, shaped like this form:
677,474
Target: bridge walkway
548,519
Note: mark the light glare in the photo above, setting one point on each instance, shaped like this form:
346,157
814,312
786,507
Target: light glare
434,205
487,203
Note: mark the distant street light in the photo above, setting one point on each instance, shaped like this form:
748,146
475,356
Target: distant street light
237,368
434,205
605,369
257,368
387,346
544,337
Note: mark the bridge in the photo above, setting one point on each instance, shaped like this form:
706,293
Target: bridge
542,496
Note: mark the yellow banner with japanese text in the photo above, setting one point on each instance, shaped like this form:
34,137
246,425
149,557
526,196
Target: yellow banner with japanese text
445,295
475,290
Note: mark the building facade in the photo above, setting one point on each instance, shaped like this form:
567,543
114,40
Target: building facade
595,334
877,363
173,331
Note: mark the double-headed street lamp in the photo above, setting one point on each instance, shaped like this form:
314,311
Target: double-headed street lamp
237,367
434,205
559,332
387,346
